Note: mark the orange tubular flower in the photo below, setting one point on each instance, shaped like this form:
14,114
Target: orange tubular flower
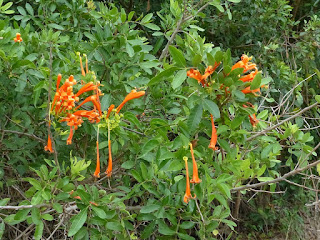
248,90
214,136
109,169
194,74
132,95
69,140
88,99
48,147
97,172
58,81
85,88
249,77
187,195
253,119
110,110
195,176
93,203
202,78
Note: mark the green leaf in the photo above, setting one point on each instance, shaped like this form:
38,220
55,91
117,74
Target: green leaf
224,144
21,10
149,208
187,225
266,80
148,230
47,217
222,200
55,26
34,182
225,189
234,1
36,216
211,60
265,179
77,222
22,63
211,107
185,236
177,56
175,165
4,201
236,122
38,232
100,212
146,18
196,60
195,117
2,228
166,73
218,6
29,9
130,50
152,26
136,175
57,207
149,146
256,82
164,229
317,97
115,226
179,79
22,214
144,171
128,164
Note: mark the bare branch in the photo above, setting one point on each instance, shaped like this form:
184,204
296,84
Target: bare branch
23,207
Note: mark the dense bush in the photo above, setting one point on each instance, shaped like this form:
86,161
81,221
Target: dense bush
182,69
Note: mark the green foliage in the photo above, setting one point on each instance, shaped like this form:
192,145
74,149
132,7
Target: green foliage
153,49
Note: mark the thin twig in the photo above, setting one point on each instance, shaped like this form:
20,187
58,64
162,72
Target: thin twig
302,186
25,134
199,211
130,130
57,227
25,231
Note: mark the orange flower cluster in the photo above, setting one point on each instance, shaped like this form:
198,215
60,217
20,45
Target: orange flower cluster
64,104
65,99
202,78
249,69
18,38
247,66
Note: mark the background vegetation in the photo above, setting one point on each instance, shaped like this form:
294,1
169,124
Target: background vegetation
258,176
